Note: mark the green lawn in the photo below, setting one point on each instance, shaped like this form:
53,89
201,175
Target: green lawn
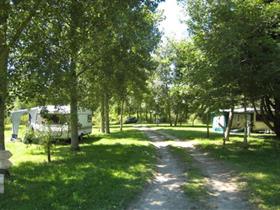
259,165
108,173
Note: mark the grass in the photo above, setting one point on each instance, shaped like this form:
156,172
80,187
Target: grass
259,165
195,187
108,173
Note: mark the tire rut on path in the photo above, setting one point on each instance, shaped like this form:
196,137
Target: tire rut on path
165,192
223,183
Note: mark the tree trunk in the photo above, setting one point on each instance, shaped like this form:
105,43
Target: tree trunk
73,79
170,116
121,117
245,140
207,125
102,115
74,113
107,114
3,95
49,153
4,55
276,121
270,118
176,120
228,127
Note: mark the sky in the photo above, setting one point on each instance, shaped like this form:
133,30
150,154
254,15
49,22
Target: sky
172,26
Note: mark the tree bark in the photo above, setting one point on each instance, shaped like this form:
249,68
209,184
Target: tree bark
270,118
102,115
121,115
74,113
3,95
245,140
4,55
176,120
228,127
169,115
207,125
49,153
277,118
107,114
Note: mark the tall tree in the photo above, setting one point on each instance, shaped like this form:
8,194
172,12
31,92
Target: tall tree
15,17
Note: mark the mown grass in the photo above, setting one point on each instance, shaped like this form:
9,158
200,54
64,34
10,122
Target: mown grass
259,165
108,173
195,187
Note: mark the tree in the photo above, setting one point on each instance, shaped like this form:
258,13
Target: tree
235,38
15,17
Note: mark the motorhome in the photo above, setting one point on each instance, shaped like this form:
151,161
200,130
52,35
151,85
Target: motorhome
255,121
54,119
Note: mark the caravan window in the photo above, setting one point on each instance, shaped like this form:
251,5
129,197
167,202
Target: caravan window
55,118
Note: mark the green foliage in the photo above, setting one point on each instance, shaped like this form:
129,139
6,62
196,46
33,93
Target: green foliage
108,173
239,44
30,137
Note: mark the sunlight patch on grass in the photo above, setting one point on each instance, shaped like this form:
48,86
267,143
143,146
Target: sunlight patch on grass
108,173
258,166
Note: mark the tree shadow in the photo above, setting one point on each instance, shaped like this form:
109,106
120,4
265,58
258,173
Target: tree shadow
190,134
259,165
98,177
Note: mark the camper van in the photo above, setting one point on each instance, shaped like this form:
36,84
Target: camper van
255,121
52,118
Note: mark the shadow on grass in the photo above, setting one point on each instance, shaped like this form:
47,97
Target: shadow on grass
98,177
259,165
189,134
131,134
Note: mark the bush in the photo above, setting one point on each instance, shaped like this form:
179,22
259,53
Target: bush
30,137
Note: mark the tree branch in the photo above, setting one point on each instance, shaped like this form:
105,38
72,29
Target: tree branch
85,69
23,25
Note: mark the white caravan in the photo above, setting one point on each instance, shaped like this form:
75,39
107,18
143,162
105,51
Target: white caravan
58,121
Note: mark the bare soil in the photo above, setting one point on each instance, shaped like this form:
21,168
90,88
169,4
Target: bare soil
165,191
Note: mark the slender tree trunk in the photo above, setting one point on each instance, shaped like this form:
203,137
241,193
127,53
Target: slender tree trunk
169,115
107,113
3,95
73,79
49,153
102,115
207,125
4,55
176,120
74,112
245,140
121,117
141,115
276,118
228,127
146,115
137,115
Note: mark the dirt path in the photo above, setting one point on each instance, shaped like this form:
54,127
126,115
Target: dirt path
165,191
223,183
